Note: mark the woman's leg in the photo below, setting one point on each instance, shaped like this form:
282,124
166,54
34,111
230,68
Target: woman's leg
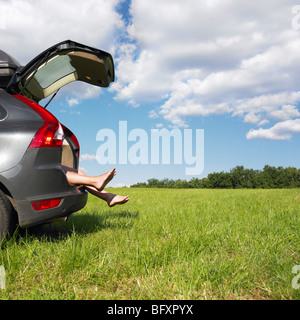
111,198
81,178
98,182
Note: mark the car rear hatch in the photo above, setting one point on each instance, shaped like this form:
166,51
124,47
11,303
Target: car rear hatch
59,65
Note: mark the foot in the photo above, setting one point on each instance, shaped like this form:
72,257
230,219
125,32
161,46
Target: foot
102,180
116,199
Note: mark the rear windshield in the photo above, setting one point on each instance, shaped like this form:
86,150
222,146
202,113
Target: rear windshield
54,70
56,73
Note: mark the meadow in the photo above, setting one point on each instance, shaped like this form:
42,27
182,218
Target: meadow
163,244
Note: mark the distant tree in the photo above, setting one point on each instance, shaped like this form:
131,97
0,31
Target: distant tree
225,180
238,177
139,185
249,178
153,183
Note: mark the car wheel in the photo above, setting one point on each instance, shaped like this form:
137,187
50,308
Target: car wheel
7,217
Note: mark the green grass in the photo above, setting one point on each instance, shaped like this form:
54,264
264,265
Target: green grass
163,244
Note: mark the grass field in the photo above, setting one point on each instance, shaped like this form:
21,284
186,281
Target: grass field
163,244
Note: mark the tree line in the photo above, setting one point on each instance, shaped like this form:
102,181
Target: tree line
238,177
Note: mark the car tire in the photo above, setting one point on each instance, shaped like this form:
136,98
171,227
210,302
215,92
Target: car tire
7,217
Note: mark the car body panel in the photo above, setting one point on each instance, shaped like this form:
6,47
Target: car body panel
40,176
16,131
70,203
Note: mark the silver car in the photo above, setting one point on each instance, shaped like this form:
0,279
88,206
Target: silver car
34,145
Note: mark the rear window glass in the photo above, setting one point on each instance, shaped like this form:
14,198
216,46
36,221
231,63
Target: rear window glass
54,70
51,76
3,113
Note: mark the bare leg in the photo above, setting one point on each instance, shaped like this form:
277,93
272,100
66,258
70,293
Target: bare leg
98,182
81,178
111,198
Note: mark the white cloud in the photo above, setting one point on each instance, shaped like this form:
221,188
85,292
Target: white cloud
88,91
211,57
263,122
153,114
33,26
286,112
72,102
79,91
280,131
251,117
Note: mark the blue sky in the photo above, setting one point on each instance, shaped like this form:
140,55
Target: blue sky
228,67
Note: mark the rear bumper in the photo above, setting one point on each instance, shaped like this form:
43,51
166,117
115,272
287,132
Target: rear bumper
71,202
39,176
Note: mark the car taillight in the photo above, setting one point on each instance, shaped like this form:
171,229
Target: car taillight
50,133
45,204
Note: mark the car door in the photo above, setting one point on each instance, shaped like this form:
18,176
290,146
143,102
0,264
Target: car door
59,65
